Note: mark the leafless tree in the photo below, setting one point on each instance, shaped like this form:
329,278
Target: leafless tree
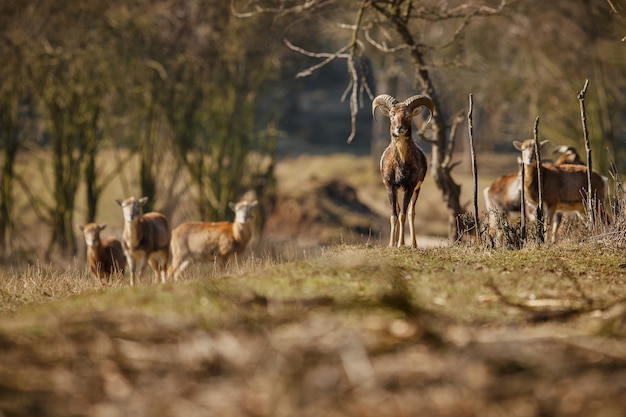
393,27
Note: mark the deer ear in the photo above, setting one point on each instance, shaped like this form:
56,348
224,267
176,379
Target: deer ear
119,202
102,226
543,143
517,144
81,227
232,206
143,200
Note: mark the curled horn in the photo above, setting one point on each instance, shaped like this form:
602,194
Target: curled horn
384,100
412,103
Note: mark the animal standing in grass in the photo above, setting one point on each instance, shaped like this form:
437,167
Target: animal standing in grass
105,256
202,241
403,164
564,187
146,239
504,195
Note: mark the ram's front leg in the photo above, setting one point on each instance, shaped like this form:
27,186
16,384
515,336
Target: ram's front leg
393,220
406,200
412,215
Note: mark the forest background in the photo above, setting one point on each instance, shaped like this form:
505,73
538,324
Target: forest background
200,99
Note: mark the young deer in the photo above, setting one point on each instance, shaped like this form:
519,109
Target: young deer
200,241
105,256
564,187
403,164
146,238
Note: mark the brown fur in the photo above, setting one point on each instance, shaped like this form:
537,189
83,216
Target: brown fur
403,164
146,239
200,241
105,256
503,196
564,187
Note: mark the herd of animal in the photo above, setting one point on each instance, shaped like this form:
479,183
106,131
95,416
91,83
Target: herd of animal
403,167
148,239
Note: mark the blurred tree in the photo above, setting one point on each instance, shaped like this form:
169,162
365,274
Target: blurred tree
10,97
520,59
397,27
165,77
208,78
14,93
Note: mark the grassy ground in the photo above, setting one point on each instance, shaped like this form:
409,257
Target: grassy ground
333,329
349,330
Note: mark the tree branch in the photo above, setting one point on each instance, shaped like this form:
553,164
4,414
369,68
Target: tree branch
329,58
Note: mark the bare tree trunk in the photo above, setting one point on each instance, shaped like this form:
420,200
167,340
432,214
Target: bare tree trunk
10,136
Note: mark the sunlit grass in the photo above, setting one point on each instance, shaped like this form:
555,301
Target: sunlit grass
464,284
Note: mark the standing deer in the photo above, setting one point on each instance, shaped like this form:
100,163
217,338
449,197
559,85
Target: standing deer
564,187
403,164
503,196
201,241
146,238
105,256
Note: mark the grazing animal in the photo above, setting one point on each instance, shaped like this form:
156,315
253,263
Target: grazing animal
403,164
564,187
200,241
146,238
105,256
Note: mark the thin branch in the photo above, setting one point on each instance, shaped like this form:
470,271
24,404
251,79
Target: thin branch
354,48
470,126
540,219
583,118
328,58
310,4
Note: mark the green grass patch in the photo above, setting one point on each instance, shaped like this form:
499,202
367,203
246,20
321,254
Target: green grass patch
460,283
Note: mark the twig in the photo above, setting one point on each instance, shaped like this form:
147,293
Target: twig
470,126
583,118
540,223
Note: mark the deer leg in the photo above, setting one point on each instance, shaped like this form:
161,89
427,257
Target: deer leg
554,220
131,269
140,264
157,264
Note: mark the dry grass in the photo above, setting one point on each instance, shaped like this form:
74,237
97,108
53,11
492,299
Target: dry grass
348,330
